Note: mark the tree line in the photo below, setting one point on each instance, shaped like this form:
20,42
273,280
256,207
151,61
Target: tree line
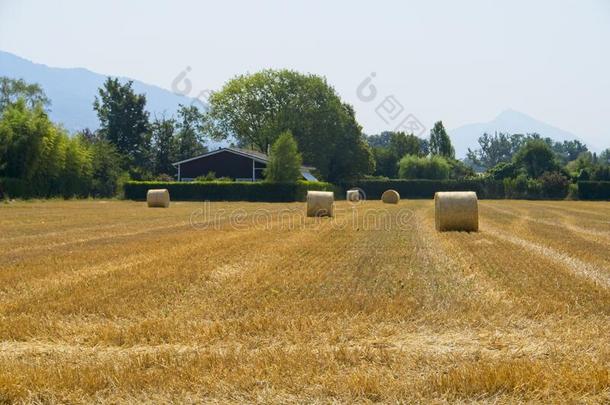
529,165
298,118
251,111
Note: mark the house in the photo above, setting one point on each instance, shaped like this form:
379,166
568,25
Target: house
235,163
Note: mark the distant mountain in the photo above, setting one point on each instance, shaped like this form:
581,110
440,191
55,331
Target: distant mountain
72,91
510,121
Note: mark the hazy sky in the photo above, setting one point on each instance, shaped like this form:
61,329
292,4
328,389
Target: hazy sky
459,61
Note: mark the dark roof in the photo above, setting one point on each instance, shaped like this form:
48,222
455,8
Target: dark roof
256,155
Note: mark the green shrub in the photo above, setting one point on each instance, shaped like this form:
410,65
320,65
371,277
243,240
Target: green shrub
594,190
227,191
503,171
415,167
554,185
516,187
459,170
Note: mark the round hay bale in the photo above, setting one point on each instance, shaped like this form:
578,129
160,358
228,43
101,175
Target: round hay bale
390,197
353,195
320,203
158,198
456,211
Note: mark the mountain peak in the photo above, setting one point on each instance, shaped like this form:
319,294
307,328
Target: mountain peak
511,114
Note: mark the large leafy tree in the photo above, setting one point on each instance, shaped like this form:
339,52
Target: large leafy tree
494,149
536,157
190,136
402,144
568,151
440,143
124,121
164,145
106,168
255,109
12,90
284,160
390,147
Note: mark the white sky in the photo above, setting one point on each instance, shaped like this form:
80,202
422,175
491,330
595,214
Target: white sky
459,61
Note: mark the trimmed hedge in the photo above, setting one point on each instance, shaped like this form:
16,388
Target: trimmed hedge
426,188
227,191
594,190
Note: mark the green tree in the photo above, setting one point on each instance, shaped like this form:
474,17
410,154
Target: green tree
536,157
41,154
255,109
568,151
284,160
190,136
417,167
22,139
604,157
380,140
385,162
124,121
440,143
77,169
164,145
12,90
495,149
106,168
402,144
389,147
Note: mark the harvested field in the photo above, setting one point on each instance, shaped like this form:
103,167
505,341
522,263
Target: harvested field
252,302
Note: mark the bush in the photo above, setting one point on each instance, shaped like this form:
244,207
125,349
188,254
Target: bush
503,171
522,187
459,170
415,167
594,190
554,185
227,191
426,188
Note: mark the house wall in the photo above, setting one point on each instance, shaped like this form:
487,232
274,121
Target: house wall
224,164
